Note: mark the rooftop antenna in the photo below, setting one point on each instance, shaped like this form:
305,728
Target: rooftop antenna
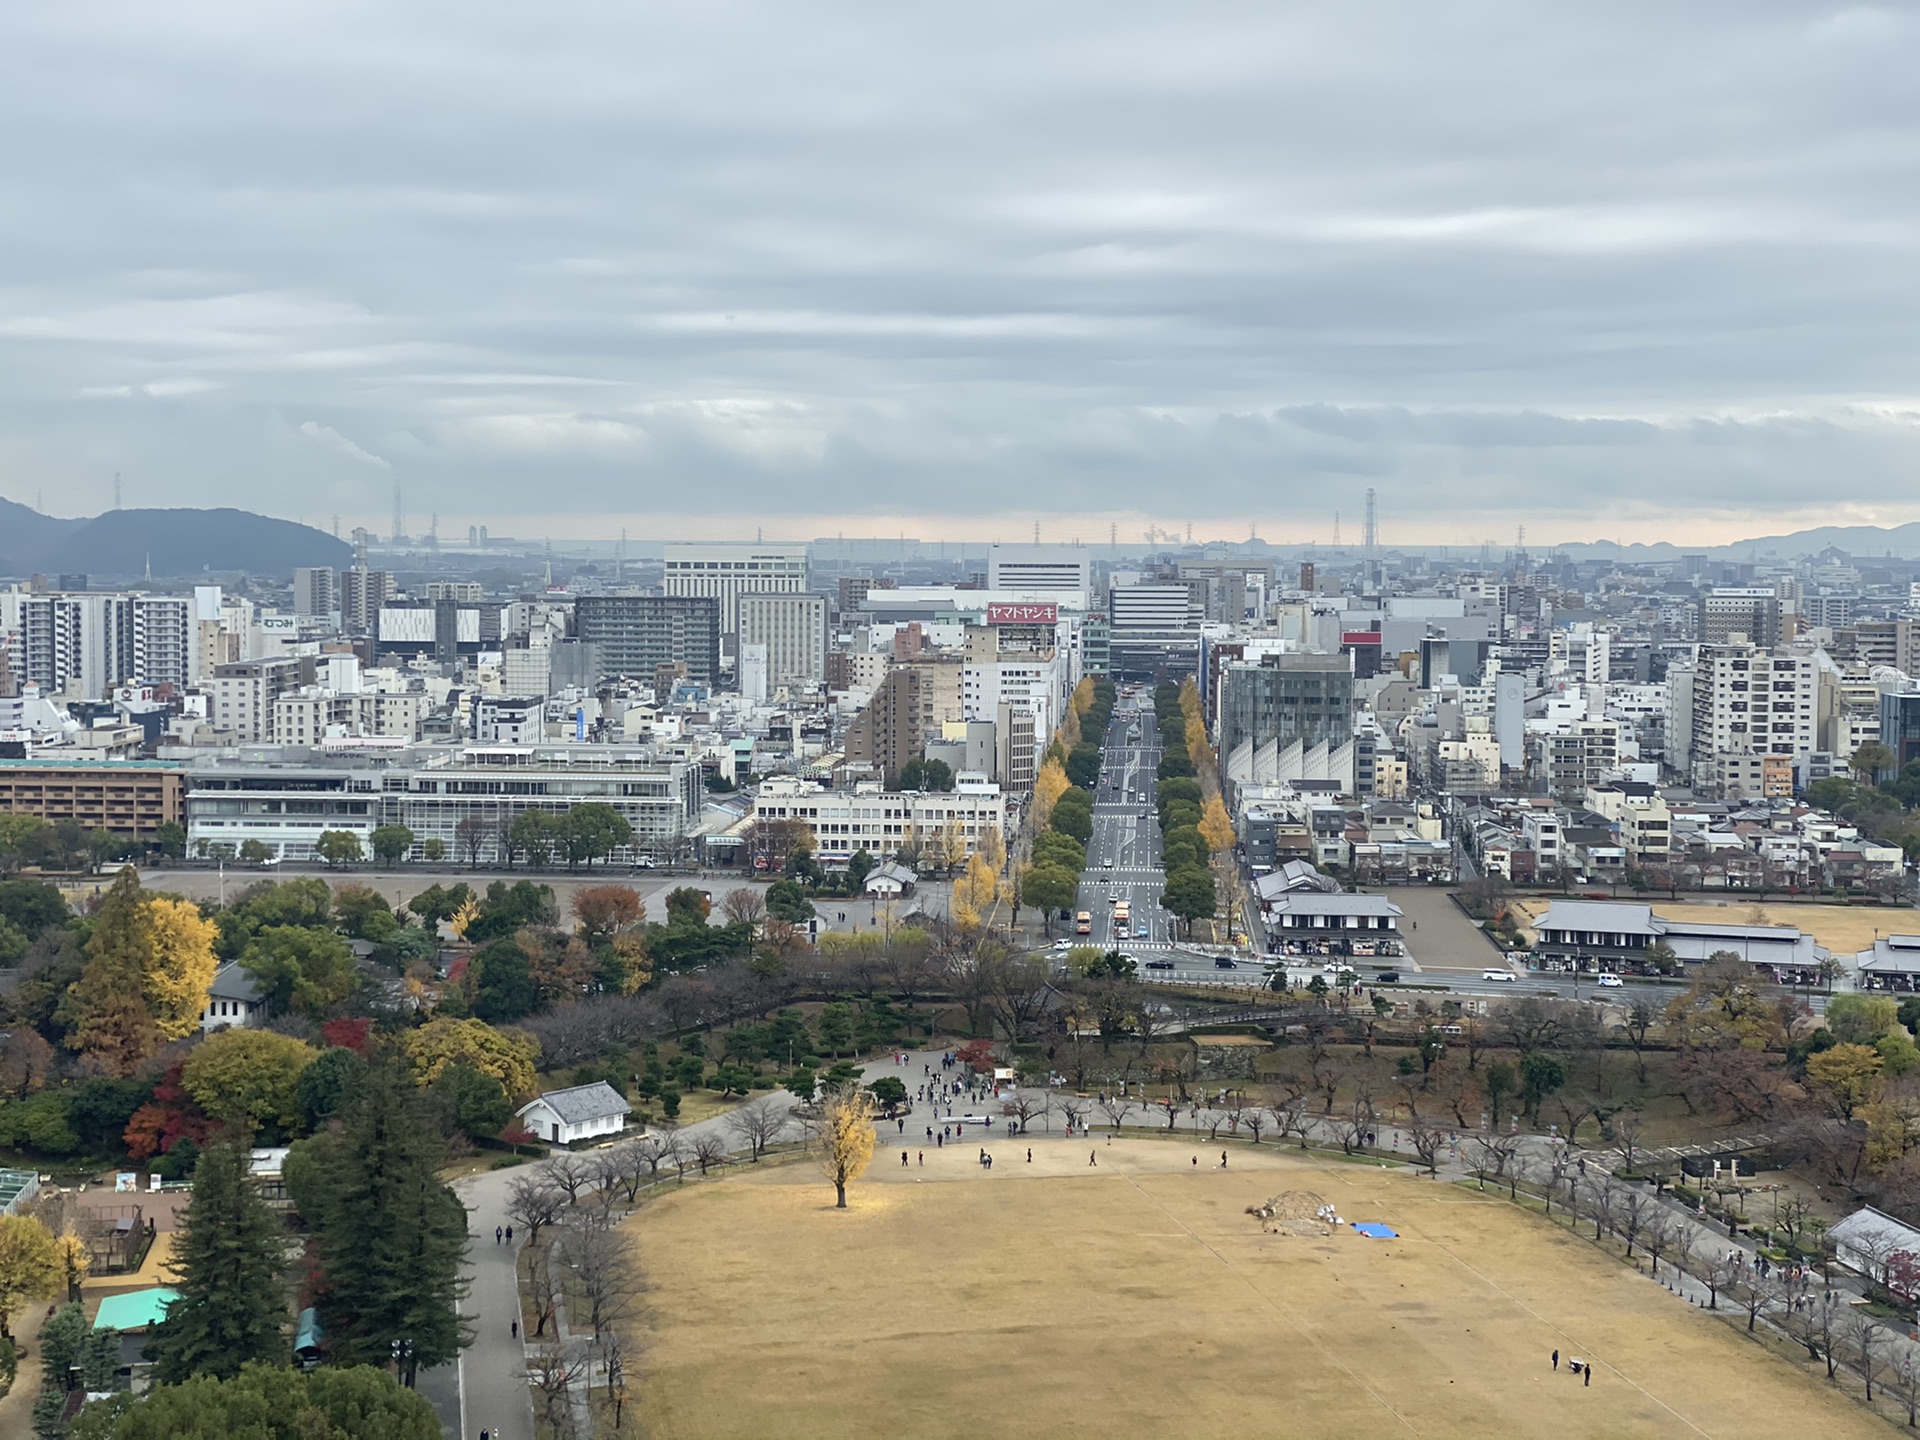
116,489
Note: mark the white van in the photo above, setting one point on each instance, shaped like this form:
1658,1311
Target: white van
1607,980
1505,976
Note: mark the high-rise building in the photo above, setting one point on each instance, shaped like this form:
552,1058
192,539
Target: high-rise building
1749,700
1284,698
1041,571
314,592
725,572
86,645
362,593
636,634
793,628
913,704
1753,614
1152,627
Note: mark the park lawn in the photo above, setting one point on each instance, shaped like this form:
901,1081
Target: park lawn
1844,929
1049,1299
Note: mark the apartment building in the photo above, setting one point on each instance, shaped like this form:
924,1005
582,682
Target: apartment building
133,798
914,704
84,646
1749,700
243,694
1640,814
634,635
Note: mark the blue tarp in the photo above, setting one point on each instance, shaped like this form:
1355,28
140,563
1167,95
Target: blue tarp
1375,1231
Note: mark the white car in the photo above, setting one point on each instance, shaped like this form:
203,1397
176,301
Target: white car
1506,976
1608,981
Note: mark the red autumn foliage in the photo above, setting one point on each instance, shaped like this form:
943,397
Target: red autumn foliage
163,1122
976,1053
347,1034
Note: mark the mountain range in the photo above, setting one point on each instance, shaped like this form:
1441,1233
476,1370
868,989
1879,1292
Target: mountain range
169,544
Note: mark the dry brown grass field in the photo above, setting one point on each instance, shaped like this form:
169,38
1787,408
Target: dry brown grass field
1048,1299
1843,929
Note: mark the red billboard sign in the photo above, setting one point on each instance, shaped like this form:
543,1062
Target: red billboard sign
1033,614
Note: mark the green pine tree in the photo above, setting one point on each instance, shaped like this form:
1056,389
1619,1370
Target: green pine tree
390,1236
233,1302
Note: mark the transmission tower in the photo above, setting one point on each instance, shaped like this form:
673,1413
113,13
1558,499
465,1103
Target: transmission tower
1336,529
1370,531
116,489
399,526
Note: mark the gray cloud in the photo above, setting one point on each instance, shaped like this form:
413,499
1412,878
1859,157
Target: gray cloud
1589,268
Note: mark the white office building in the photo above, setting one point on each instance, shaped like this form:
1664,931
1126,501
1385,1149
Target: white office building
1044,572
729,570
793,628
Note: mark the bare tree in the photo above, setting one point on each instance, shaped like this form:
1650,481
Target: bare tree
1352,1126
1642,1015
1116,1110
1602,1196
570,1172
602,1265
1866,1345
675,1151
1752,1293
1076,1110
650,1150
534,1203
543,1287
1255,1119
744,905
1714,1267
1290,1118
1660,1234
1636,1206
1428,1138
758,1123
708,1150
1025,1105
553,1373
609,1168
1170,1107
1627,1130
1904,1381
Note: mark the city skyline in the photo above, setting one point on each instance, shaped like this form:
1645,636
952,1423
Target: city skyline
914,276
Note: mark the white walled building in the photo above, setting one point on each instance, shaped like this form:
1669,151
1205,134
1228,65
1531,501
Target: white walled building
728,571
882,822
793,628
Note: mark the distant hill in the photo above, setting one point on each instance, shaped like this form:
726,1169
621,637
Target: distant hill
169,543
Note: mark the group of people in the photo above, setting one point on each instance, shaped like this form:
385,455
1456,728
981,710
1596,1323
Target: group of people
1576,1366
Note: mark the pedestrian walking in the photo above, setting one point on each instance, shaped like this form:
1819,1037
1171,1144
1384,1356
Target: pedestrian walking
903,1157
1196,1162
1586,1375
509,1234
1223,1159
496,1234
513,1329
1093,1157
1556,1360
1029,1155
923,1157
903,1125
940,1140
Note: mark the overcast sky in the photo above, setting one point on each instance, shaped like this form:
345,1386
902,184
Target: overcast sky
1607,271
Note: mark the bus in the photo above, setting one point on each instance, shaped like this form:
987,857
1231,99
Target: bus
1122,920
1083,923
